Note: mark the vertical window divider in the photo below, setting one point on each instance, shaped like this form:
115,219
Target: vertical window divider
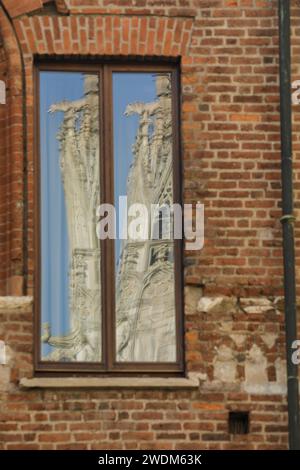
109,288
102,168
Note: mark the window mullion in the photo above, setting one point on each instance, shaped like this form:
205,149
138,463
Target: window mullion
108,244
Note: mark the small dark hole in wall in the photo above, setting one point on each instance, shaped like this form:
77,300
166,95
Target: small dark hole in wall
238,422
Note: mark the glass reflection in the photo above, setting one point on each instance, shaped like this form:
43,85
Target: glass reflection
145,297
70,251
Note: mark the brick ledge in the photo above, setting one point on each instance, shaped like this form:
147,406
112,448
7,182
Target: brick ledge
109,382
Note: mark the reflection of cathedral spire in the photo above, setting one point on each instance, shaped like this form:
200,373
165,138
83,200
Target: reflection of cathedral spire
145,287
145,306
79,161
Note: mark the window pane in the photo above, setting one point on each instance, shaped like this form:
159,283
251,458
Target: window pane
70,250
143,171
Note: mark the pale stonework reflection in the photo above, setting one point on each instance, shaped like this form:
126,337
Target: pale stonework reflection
79,164
145,298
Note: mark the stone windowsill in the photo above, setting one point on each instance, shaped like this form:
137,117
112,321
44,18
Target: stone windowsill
110,382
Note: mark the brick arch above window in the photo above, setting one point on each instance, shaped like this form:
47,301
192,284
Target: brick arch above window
104,35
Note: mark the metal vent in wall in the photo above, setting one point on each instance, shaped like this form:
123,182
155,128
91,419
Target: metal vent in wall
238,422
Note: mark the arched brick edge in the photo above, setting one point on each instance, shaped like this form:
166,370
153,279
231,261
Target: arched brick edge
104,35
14,152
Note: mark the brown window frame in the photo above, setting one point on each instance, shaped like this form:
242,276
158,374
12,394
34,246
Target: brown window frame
109,366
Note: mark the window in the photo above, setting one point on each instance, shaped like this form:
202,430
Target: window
109,298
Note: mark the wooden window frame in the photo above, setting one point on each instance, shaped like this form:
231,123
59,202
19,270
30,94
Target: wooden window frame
105,68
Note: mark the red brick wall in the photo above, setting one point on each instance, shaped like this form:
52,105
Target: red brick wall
230,118
231,162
